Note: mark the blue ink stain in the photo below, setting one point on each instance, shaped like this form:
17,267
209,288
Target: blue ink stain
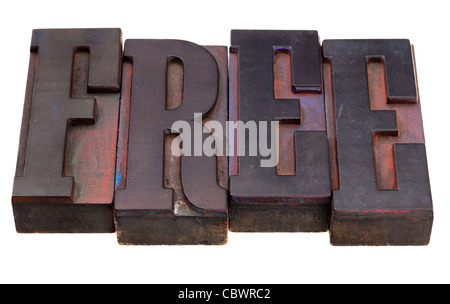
118,179
136,87
55,110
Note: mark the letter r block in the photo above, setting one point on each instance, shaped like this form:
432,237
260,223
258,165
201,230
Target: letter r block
162,197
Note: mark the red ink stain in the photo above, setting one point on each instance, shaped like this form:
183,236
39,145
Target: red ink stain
381,211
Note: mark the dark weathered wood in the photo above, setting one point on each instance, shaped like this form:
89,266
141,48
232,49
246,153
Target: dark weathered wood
276,76
351,153
65,170
162,198
381,191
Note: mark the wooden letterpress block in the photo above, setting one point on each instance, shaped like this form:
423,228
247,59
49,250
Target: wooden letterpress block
65,170
163,197
277,76
380,179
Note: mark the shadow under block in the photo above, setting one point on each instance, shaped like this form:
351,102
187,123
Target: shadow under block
163,198
277,76
66,162
382,195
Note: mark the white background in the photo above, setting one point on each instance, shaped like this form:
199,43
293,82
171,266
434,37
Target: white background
247,258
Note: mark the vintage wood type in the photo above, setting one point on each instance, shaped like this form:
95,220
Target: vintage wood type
66,162
102,132
162,198
276,76
381,186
